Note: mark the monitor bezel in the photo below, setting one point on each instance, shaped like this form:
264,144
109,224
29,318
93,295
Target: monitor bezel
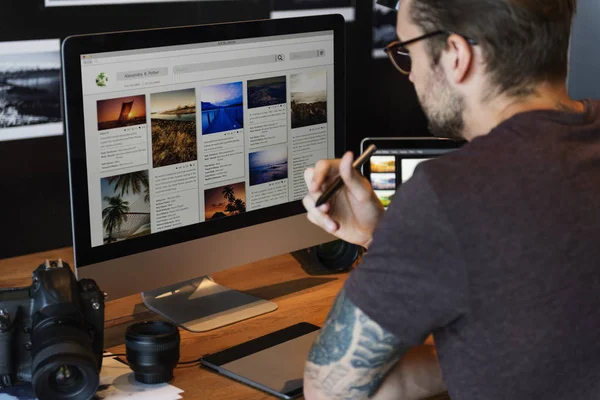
75,46
408,143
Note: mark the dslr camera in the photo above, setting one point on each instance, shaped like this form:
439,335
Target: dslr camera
52,333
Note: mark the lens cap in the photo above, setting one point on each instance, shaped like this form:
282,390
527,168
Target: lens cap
152,351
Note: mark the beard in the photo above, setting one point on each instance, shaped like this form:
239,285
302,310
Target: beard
442,106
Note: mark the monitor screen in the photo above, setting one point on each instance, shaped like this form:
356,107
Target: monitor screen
395,161
186,135
182,136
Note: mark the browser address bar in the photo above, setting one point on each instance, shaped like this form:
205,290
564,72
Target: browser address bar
233,63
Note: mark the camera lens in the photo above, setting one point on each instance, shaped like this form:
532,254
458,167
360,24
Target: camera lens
64,366
152,351
338,255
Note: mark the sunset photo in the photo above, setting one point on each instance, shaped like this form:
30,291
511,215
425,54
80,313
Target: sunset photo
121,112
224,201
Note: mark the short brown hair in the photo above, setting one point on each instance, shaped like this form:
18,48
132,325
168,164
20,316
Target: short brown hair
524,42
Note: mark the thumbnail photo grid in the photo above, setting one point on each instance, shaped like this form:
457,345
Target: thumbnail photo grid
225,201
173,122
222,107
309,98
125,206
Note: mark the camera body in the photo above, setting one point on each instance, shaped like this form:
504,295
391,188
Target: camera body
52,333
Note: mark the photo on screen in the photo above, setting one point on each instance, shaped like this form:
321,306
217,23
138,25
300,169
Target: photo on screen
267,92
383,181
30,89
268,165
385,196
125,206
173,122
383,164
121,112
222,107
224,201
309,98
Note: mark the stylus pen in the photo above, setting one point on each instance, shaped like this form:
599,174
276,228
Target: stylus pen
338,183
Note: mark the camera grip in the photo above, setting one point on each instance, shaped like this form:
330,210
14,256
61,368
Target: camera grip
6,357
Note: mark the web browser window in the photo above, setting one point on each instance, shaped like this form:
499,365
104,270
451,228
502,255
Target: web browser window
192,134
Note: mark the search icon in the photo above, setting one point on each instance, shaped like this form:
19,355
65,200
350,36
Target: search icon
280,57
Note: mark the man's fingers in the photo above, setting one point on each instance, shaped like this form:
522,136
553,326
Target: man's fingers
319,216
324,170
353,180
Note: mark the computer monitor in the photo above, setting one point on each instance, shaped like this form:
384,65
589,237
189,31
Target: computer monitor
187,148
395,160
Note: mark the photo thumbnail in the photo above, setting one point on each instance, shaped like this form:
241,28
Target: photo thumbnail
125,206
384,181
121,112
268,165
222,107
173,122
309,98
383,164
225,201
267,92
385,196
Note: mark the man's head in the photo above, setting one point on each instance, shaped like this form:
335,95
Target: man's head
520,45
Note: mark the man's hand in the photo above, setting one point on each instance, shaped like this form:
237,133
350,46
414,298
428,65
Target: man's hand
353,212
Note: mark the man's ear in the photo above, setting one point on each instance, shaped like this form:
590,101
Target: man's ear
458,58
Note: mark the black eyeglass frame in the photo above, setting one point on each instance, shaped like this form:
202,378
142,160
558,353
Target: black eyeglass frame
397,45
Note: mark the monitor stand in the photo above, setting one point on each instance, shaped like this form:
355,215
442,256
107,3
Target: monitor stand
200,304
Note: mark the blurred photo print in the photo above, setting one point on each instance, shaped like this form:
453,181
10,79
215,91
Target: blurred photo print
30,89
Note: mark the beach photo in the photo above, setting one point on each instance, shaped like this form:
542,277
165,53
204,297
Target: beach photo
309,98
222,107
30,88
224,201
173,122
267,92
385,181
125,206
121,112
383,163
268,165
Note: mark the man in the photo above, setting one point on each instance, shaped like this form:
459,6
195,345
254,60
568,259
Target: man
492,248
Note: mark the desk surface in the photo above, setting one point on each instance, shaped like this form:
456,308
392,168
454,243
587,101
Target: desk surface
299,296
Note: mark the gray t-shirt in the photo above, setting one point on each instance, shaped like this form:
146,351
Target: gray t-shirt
495,249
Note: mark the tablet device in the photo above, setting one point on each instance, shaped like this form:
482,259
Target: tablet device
396,159
273,363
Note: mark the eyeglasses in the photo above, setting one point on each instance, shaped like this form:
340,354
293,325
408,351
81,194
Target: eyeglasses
400,56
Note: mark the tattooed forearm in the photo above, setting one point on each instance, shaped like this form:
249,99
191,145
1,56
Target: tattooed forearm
352,355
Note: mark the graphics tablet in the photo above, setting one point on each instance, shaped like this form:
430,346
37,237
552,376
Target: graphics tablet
396,159
273,363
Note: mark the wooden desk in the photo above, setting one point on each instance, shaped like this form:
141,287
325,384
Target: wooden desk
300,297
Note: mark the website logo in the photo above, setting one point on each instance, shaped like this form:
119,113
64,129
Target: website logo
101,79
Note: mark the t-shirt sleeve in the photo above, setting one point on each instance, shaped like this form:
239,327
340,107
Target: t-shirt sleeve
412,281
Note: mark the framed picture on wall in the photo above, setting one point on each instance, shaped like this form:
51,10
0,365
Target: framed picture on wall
30,89
301,8
384,26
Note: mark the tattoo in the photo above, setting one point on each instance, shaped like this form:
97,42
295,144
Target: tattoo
352,355
560,106
336,336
